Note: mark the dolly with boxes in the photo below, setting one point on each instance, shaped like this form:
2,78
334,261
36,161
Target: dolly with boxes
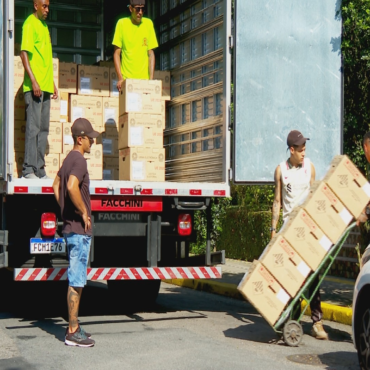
303,248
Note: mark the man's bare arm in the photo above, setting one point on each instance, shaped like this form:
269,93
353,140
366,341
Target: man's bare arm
56,185
76,198
151,64
117,66
277,201
313,174
26,64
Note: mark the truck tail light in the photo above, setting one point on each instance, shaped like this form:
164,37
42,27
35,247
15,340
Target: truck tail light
48,224
184,226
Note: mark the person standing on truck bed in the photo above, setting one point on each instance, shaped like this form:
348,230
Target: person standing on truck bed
71,190
134,40
38,88
293,179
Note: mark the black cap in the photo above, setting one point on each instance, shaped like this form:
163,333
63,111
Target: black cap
296,138
137,2
82,127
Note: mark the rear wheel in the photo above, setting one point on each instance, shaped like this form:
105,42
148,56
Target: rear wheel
134,294
363,340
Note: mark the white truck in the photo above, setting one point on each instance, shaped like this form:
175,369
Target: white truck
142,230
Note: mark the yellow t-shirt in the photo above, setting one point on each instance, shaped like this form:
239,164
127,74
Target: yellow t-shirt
36,41
135,41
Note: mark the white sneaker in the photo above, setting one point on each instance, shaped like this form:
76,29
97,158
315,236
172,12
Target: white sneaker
31,176
318,331
45,177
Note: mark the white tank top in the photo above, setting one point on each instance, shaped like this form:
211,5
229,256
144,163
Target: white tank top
296,185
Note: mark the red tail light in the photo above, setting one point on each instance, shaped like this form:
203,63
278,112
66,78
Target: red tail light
184,226
48,224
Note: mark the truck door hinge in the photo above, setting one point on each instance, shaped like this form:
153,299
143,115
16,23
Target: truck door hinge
231,42
230,174
10,25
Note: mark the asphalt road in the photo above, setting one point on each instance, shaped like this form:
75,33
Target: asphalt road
187,329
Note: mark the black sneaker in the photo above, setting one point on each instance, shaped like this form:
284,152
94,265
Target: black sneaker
78,339
81,329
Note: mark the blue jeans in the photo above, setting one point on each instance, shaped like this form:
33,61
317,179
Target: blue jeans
78,247
37,130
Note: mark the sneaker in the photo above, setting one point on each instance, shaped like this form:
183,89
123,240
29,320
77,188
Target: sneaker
318,331
78,339
46,177
31,176
80,329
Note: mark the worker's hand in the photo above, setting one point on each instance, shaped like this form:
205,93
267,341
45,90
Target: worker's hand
361,219
55,95
87,221
119,85
36,89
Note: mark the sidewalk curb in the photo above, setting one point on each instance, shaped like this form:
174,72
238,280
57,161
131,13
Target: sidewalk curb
342,315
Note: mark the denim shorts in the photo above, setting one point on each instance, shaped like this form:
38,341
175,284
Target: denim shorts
78,252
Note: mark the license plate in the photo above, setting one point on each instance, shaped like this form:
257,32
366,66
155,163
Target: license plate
42,246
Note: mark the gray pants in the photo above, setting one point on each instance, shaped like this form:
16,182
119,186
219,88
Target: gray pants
37,130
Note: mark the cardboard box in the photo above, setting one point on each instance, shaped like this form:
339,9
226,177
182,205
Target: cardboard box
55,109
52,164
285,264
19,135
18,164
348,184
109,140
19,105
113,79
68,77
142,164
89,107
106,63
140,130
165,77
141,96
18,73
55,138
110,168
64,103
305,236
327,210
264,292
94,161
93,80
67,139
110,111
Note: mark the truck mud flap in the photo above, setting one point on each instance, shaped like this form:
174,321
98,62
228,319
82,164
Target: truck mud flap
120,273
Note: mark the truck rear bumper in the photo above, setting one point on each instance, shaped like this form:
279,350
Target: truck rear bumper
119,273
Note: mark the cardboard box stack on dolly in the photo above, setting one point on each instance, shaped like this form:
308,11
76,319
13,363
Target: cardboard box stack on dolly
141,125
297,254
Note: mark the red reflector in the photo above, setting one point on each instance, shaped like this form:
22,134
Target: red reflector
126,191
219,192
195,192
47,189
184,226
101,191
171,191
147,192
20,189
48,224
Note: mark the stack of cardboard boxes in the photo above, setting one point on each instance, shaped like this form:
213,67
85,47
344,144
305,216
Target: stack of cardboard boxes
306,238
132,121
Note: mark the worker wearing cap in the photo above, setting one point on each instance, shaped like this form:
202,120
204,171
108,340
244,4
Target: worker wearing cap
71,190
293,179
134,40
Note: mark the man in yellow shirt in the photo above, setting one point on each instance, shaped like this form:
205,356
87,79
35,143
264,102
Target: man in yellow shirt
134,41
38,88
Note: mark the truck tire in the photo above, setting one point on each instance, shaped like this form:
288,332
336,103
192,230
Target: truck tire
134,295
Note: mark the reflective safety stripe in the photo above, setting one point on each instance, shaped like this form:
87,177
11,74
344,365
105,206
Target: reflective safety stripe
119,273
